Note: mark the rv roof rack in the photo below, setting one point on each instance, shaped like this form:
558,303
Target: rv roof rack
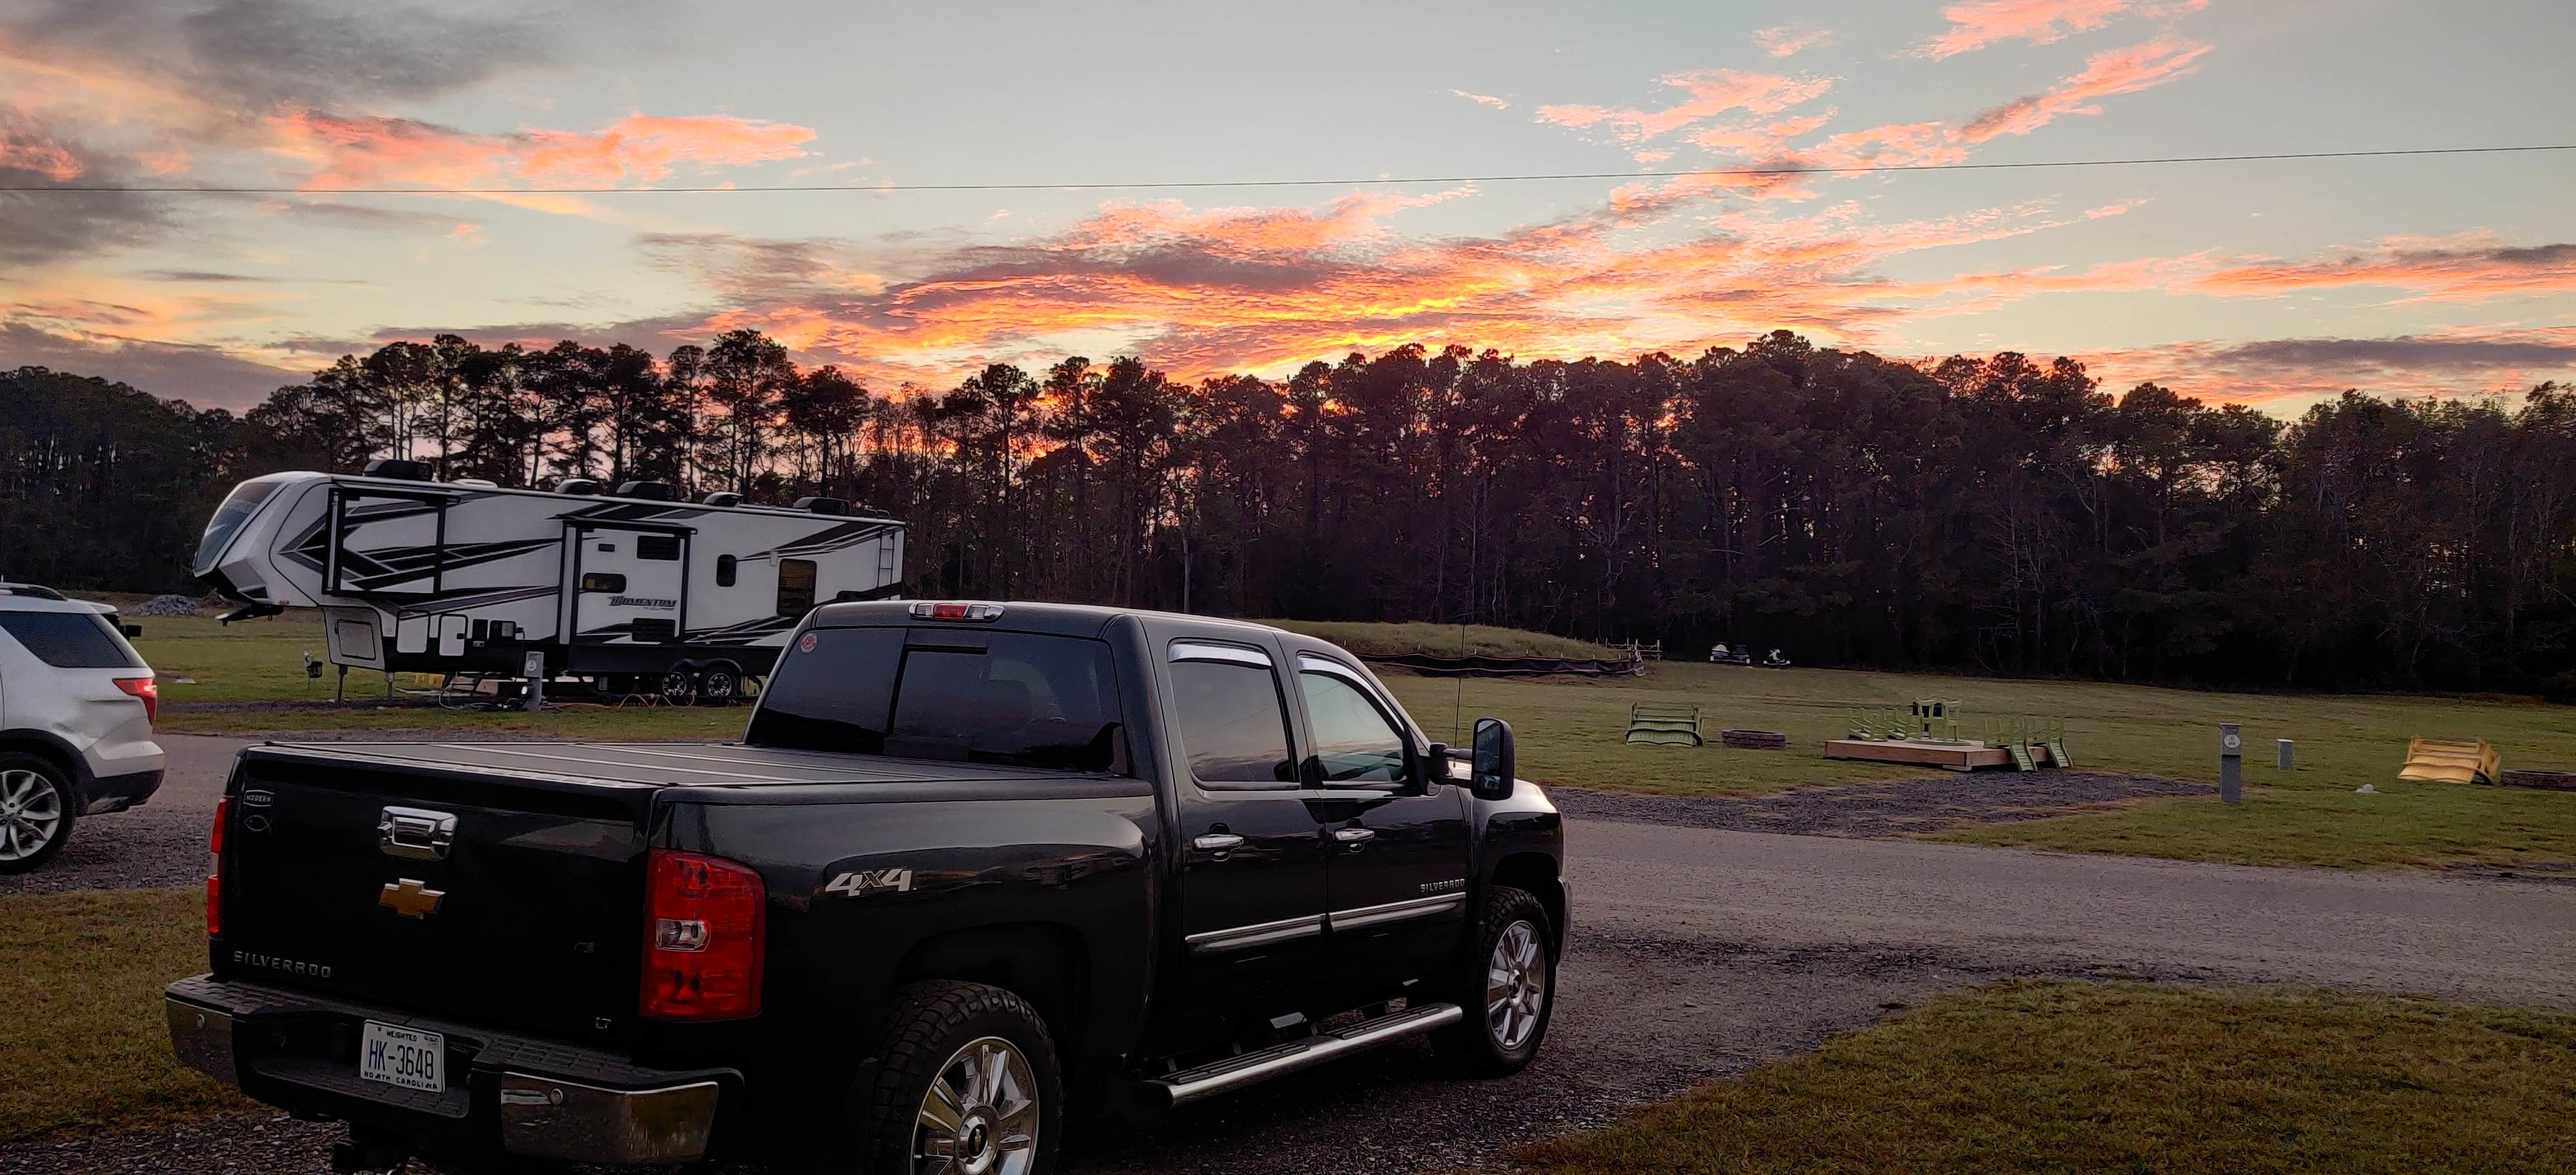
650,491
577,485
396,469
721,498
833,506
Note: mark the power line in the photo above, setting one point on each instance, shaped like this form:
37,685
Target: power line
1522,177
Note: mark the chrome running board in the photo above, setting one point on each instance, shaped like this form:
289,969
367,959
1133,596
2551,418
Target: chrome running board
1244,1069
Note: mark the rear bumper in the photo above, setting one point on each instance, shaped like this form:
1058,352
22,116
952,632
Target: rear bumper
509,1095
116,793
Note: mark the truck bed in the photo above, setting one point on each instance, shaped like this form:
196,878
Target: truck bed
647,768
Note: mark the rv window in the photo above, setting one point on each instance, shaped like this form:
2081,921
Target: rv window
663,547
228,520
602,581
724,571
795,587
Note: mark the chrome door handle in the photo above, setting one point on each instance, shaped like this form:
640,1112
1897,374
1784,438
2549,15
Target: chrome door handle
1218,842
1352,836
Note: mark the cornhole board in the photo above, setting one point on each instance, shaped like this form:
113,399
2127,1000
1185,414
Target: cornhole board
1966,756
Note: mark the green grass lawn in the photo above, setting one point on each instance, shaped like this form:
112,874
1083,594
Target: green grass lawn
1443,640
2053,1076
1571,732
247,678
85,1040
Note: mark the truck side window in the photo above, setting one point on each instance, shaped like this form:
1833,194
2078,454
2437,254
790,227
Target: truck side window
1356,741
1233,725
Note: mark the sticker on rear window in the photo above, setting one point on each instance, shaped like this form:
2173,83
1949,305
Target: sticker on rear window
805,643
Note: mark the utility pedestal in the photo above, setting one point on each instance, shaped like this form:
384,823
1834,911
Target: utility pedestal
2231,761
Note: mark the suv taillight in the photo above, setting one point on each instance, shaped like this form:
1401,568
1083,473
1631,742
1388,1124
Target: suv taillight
215,870
146,689
704,919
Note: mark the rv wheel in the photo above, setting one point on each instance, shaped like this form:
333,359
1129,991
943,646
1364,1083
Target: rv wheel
677,686
718,685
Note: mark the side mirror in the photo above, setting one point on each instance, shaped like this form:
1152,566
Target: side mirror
1495,764
131,629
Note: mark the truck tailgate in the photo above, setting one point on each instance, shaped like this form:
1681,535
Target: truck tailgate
513,899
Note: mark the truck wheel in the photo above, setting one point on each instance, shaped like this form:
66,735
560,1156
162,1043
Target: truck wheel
718,685
677,687
968,1086
36,811
1508,991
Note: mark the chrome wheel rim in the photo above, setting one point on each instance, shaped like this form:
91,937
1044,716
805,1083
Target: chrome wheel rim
717,685
1515,986
31,812
677,684
980,1114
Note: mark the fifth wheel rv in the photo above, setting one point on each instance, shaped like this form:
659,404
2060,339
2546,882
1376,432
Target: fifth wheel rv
633,589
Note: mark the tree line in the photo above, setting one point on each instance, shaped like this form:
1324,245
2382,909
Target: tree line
1995,515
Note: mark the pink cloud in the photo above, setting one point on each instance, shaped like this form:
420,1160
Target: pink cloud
377,150
1976,24
1789,40
2112,71
1483,99
1711,92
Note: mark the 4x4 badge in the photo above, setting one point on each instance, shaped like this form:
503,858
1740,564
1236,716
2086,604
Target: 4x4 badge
411,899
871,881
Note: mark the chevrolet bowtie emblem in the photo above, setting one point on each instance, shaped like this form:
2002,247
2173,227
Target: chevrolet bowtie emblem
410,898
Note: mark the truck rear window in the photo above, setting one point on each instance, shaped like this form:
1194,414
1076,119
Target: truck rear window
70,640
1021,700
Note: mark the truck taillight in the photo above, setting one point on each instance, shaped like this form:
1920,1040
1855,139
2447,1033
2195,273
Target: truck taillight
215,870
704,919
146,689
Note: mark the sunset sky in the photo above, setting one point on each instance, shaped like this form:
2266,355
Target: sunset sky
2272,282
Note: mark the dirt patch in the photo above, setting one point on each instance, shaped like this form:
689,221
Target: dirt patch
1897,808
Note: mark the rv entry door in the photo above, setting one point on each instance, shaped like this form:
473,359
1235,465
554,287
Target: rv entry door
629,584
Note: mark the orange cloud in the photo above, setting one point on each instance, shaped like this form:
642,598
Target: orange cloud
2471,267
348,151
1789,40
1976,24
1712,92
1483,99
2112,71
2286,373
42,156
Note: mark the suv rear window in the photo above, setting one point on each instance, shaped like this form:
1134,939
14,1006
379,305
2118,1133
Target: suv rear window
70,640
1020,699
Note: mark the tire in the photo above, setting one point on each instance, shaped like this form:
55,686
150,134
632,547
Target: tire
677,686
939,1035
1507,985
718,685
37,808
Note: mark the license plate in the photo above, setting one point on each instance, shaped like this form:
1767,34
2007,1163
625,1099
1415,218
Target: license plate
407,1057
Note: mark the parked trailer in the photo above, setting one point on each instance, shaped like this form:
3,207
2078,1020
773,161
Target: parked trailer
634,589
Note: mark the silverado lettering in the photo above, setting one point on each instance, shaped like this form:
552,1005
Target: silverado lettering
1142,857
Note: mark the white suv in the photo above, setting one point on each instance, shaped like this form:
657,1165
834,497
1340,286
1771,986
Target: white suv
76,709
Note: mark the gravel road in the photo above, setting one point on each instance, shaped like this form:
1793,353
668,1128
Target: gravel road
1700,952
1894,808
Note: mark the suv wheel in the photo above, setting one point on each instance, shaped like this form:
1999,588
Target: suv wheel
1509,990
36,811
968,1086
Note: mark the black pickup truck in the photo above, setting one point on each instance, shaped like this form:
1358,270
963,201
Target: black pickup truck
969,862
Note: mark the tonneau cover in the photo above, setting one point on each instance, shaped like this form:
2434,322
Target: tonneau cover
653,765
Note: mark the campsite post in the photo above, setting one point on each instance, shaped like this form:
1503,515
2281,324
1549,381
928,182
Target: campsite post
2231,760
